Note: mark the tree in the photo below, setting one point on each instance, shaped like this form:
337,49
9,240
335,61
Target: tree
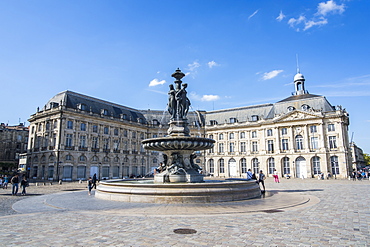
367,159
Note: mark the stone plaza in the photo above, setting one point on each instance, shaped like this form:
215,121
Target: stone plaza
294,212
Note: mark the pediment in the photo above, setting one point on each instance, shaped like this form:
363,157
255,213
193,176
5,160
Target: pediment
297,115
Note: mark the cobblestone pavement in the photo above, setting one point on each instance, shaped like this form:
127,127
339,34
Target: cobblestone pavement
332,213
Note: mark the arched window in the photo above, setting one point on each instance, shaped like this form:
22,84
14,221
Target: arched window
221,136
316,165
299,142
82,158
242,135
286,165
211,165
105,159
243,165
221,165
271,165
255,165
231,136
334,165
269,132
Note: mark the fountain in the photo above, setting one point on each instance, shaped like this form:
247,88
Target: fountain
179,179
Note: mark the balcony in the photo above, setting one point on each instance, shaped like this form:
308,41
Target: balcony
125,151
82,148
116,151
106,150
44,148
51,147
95,150
69,148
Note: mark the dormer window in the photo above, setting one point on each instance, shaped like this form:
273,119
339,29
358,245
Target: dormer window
82,107
104,112
124,116
213,122
254,118
305,107
291,108
232,120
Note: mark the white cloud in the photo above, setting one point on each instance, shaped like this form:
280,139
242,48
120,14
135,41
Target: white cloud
311,23
281,16
212,64
193,66
330,7
254,13
156,82
210,98
295,21
271,74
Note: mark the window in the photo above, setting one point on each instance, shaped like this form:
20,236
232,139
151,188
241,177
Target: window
254,147
82,141
291,108
115,132
55,124
255,165
243,164
95,143
254,134
106,144
115,144
286,166
104,112
313,129
125,133
314,143
95,128
232,120
213,122
284,131
68,157
69,140
316,165
115,172
83,127
221,136
271,165
254,118
81,172
210,136
222,165
133,134
270,146
47,126
231,136
299,142
284,144
95,158
331,127
242,135
332,142
82,158
69,125
305,107
269,132
220,147
40,127
124,116
211,166
106,130
334,165
232,149
243,147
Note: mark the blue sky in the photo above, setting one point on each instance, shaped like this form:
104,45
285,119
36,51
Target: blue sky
235,53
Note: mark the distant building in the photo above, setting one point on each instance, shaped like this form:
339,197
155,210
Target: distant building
358,161
13,142
75,136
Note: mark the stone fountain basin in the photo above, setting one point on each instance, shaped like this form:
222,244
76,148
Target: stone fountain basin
146,191
178,143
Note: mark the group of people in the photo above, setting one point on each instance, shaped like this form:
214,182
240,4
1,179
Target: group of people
16,182
359,175
261,177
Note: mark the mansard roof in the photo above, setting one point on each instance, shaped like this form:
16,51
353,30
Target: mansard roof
74,100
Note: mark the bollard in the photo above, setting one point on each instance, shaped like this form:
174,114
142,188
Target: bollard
60,181
80,182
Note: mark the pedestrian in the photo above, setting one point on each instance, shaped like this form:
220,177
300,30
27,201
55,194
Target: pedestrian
1,181
261,179
89,185
249,174
276,176
24,184
15,184
94,181
6,181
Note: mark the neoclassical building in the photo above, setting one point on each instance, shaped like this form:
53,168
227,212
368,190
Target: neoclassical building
75,136
302,135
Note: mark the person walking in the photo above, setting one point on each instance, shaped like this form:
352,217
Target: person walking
261,180
5,182
24,184
15,184
276,176
89,185
94,181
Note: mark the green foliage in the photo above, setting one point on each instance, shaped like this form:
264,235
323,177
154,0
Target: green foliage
367,159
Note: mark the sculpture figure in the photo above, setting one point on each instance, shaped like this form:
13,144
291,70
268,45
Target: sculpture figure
172,103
